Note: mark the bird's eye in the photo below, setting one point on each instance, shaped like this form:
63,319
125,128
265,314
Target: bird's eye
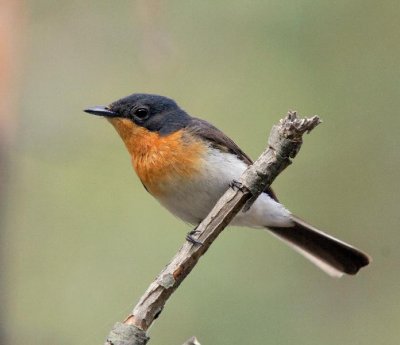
142,113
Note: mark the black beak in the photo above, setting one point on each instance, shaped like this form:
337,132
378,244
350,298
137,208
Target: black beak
101,110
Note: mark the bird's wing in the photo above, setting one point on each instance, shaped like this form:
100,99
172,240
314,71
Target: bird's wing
222,142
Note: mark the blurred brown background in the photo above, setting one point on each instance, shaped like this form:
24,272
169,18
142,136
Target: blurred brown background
81,239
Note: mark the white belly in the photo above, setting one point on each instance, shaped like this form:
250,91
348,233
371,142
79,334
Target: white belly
193,200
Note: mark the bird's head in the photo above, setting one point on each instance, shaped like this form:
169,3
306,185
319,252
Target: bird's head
149,112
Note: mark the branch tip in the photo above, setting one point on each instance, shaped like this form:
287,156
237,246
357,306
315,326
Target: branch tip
293,127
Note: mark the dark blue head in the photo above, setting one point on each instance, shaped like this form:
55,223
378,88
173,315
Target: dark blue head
156,113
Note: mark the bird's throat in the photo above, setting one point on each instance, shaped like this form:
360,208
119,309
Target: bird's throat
160,161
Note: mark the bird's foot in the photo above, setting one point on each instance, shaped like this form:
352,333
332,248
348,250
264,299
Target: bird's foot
191,239
235,184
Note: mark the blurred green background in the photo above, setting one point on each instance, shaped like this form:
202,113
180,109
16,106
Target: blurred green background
82,239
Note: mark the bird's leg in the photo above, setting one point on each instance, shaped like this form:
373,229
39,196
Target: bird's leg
239,186
191,239
235,184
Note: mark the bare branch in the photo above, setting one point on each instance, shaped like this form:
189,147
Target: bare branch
284,143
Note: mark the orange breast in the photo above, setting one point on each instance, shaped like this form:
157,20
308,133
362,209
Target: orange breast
160,161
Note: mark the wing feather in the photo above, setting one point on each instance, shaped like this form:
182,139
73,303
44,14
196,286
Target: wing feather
222,142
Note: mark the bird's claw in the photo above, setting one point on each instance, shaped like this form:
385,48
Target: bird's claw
191,239
235,184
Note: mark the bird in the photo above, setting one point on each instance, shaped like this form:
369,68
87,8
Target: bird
187,164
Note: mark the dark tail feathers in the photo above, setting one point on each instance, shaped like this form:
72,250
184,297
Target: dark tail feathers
328,253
